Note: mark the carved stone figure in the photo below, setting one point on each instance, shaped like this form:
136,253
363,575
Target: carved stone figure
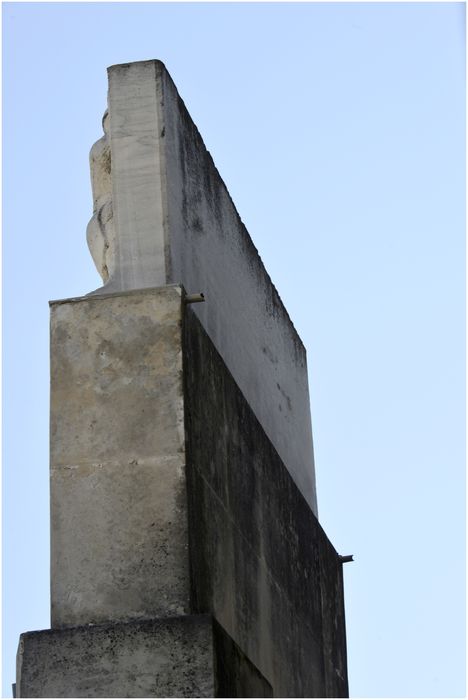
100,232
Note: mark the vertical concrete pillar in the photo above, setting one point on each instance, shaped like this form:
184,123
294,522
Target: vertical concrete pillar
118,494
138,175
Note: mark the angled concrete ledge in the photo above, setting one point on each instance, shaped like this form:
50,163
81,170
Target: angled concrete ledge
106,295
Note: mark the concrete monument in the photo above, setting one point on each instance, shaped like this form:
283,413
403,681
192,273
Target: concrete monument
186,555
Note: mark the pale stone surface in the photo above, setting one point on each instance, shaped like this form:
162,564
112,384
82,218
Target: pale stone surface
176,223
118,494
138,177
100,233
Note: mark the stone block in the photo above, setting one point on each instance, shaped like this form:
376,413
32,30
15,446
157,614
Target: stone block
118,492
188,656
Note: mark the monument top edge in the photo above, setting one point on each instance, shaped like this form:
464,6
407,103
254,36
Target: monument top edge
133,64
96,296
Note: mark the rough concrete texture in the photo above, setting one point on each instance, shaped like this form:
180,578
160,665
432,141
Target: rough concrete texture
260,562
175,222
184,657
160,658
118,492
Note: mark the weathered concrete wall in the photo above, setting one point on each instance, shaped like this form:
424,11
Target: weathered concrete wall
118,493
167,497
176,223
186,657
155,658
236,676
211,250
260,561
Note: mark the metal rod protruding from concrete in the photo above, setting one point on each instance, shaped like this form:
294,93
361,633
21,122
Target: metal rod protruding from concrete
346,558
194,298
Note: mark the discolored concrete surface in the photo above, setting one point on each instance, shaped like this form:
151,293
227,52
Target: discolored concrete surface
188,656
156,658
118,493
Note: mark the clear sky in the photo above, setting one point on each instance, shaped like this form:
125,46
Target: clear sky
339,131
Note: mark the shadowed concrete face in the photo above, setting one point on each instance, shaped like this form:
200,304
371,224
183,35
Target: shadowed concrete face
118,495
175,223
260,561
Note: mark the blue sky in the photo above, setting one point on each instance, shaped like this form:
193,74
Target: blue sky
339,131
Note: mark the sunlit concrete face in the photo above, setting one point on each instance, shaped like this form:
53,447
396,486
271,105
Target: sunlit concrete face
175,222
118,495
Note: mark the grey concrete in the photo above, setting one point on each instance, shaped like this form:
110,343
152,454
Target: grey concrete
260,561
189,656
138,179
118,493
167,497
176,223
236,675
182,480
160,658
